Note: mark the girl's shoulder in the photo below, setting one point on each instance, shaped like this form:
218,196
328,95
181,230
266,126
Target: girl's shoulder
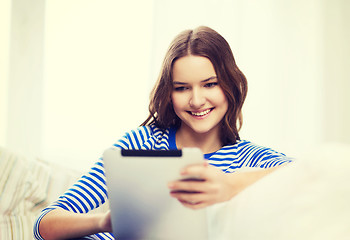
145,137
244,145
236,147
244,149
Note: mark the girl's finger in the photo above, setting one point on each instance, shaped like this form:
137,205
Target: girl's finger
189,198
188,186
195,170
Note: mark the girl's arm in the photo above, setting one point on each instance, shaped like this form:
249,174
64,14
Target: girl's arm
61,224
67,217
216,186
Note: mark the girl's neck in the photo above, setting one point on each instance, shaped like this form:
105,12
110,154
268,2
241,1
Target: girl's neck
208,142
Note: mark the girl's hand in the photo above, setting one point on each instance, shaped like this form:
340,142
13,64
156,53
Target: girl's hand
213,186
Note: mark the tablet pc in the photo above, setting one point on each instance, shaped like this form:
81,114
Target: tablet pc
140,203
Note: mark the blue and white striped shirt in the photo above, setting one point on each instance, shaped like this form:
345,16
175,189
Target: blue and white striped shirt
90,191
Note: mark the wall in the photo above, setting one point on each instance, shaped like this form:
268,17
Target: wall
96,76
25,76
94,58
281,50
5,14
336,67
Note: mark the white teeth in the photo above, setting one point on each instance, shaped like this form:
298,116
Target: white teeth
201,113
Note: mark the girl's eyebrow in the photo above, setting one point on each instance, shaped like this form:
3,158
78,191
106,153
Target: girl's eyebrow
203,81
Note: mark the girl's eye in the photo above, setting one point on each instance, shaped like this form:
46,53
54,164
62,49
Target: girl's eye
180,89
211,84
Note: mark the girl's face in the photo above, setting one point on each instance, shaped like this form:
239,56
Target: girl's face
197,98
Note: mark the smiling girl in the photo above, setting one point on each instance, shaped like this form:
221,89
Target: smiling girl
196,102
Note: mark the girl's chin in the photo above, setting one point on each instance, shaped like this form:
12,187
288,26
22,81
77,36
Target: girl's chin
200,130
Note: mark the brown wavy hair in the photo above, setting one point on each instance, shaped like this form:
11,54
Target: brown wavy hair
205,42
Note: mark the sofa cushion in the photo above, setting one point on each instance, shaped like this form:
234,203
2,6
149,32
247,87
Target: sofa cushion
26,187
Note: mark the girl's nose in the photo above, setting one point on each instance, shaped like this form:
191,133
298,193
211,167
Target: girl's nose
197,99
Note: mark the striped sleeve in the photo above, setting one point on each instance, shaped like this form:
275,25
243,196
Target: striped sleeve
245,154
140,138
88,193
146,137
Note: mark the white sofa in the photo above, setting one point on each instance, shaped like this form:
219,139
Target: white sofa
26,187
308,199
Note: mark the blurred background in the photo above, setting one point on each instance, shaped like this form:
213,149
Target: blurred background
76,74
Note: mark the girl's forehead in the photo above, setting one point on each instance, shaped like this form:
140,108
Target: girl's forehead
192,68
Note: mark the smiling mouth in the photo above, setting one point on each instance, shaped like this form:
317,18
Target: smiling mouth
202,113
